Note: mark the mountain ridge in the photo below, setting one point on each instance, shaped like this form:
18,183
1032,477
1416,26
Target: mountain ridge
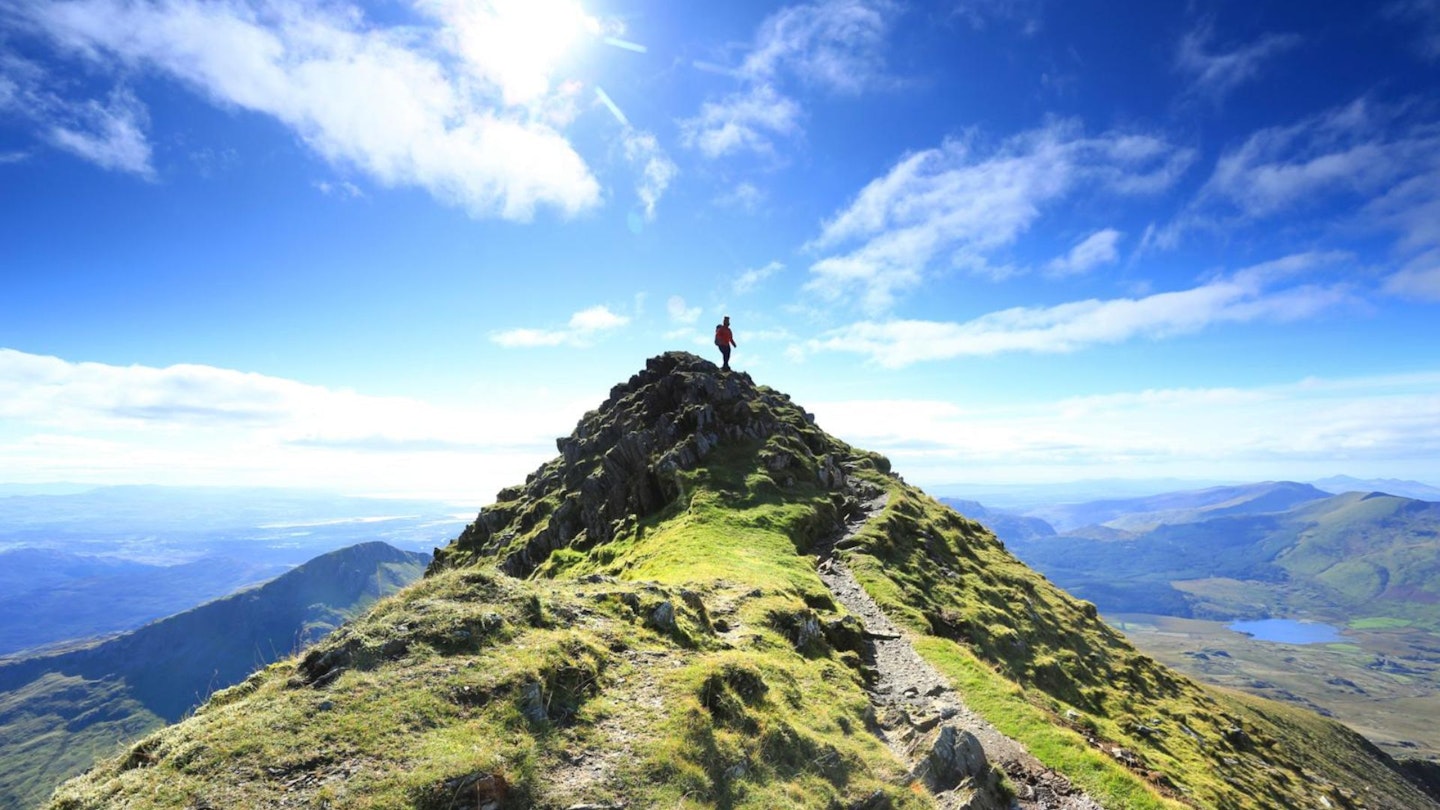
644,622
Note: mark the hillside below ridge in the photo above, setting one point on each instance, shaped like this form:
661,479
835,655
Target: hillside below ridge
655,618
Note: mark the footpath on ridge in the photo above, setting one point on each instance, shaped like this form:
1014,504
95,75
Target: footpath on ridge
945,744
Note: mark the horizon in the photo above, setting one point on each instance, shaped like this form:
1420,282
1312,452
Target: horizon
399,249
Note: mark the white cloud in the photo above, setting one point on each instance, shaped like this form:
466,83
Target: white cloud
1096,249
1216,74
679,312
1303,429
1341,150
745,196
1419,279
343,188
582,328
656,168
386,101
110,135
1376,156
950,201
743,121
1248,295
751,278
108,424
836,45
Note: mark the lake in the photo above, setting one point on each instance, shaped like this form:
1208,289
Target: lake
1288,631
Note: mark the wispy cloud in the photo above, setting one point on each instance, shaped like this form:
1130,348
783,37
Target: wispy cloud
1419,278
1362,166
1095,250
836,46
432,107
680,312
1027,14
749,120
1216,73
1423,16
954,202
656,168
750,279
1298,429
583,327
111,133
1255,293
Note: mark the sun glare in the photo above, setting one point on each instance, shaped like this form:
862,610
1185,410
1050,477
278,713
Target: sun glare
518,44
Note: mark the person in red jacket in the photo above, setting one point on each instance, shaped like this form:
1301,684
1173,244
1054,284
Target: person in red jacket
724,339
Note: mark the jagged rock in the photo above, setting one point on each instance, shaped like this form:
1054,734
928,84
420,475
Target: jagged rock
620,464
662,618
532,703
956,761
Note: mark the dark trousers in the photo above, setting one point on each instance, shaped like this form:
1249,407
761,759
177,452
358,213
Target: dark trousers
725,353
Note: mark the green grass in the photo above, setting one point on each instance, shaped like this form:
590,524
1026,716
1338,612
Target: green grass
471,677
1380,623
986,621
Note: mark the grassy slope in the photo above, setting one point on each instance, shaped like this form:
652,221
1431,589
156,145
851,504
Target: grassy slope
471,677
992,622
60,713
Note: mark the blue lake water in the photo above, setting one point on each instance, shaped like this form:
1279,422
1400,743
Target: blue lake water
1288,631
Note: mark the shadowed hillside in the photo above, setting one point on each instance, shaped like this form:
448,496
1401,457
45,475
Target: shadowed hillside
707,601
59,712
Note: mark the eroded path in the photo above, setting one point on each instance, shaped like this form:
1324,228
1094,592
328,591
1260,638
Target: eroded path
919,715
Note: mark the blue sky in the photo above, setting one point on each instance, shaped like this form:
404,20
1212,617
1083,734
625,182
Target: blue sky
398,247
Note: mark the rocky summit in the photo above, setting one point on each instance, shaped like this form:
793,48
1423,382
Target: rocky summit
706,601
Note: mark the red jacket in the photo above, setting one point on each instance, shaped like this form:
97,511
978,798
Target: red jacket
723,336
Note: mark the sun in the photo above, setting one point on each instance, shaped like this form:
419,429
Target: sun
519,44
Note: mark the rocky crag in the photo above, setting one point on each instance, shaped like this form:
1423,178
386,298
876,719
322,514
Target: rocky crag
707,601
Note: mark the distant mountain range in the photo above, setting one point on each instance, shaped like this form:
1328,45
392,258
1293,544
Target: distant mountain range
51,597
61,711
1351,555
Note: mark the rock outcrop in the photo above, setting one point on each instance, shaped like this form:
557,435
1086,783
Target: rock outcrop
620,464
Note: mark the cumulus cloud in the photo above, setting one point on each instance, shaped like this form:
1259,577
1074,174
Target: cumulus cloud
956,203
582,328
1255,293
1095,250
405,105
1216,73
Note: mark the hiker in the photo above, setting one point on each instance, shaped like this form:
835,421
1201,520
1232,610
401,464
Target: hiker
724,340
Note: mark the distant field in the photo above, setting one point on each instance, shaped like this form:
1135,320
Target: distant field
1383,680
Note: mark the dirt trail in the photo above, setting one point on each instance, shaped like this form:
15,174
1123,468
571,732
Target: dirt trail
914,705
